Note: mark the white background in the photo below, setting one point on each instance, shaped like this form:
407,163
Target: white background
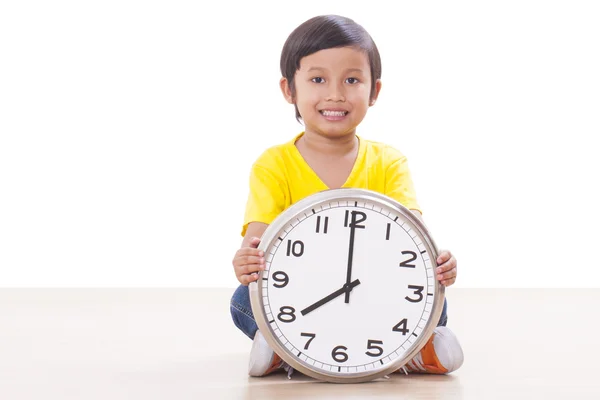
127,130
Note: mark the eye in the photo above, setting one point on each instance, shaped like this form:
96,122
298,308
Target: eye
352,81
318,79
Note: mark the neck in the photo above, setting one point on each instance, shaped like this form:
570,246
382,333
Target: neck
337,146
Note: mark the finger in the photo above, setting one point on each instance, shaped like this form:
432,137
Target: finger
245,260
246,269
254,242
247,279
447,275
448,282
251,268
443,257
451,264
248,251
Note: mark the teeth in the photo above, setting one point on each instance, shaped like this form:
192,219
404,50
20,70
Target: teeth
333,113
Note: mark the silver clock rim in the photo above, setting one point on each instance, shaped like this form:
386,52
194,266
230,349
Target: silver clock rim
270,235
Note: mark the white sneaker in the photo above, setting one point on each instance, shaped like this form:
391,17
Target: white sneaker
441,354
263,360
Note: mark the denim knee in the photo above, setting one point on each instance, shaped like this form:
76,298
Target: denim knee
241,311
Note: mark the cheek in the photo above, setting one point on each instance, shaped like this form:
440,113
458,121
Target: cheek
359,95
307,98
360,102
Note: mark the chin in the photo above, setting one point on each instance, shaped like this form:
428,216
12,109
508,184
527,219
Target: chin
336,133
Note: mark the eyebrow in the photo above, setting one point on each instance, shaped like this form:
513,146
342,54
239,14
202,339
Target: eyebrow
323,69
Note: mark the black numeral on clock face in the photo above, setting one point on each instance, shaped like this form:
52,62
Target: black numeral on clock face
401,327
296,249
286,314
325,223
339,355
418,292
311,336
371,346
281,278
354,221
413,257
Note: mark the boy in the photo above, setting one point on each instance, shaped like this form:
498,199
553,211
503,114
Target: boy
331,74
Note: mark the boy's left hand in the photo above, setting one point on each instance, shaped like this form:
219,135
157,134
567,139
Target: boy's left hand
446,270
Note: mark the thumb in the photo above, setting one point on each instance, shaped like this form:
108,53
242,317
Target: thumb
254,242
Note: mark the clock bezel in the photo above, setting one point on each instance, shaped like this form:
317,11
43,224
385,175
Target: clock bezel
270,236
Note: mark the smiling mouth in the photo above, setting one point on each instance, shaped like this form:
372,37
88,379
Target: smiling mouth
328,113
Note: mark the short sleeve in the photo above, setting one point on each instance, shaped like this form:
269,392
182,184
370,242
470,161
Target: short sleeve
399,184
266,199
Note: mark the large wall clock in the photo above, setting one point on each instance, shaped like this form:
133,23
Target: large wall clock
349,292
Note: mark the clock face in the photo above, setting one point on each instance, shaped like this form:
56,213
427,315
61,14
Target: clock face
349,287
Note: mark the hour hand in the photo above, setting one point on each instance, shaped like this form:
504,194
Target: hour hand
324,300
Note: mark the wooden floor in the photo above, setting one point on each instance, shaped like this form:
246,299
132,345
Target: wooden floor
181,344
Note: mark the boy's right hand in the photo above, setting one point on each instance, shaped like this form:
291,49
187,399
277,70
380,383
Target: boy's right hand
248,261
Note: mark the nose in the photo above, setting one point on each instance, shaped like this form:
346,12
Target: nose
336,92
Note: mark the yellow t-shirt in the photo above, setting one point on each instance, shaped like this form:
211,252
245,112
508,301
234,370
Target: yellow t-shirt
280,177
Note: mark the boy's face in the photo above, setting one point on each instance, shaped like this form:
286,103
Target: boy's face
332,90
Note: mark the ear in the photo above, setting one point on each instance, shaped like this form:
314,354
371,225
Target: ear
377,90
285,89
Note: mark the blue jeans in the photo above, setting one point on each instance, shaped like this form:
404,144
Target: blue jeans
241,312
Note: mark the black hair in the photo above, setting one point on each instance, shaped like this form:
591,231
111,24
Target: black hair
326,32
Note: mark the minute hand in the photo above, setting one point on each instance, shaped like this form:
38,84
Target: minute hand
347,286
